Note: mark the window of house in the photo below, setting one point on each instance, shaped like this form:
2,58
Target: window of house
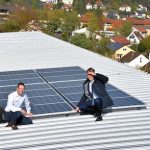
140,60
119,55
134,40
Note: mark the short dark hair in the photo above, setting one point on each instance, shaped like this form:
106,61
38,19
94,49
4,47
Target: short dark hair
91,70
21,83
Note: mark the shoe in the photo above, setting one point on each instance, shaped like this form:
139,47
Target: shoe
14,127
8,125
99,118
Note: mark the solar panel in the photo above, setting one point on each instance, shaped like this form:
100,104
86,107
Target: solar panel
17,72
62,69
53,90
69,83
43,98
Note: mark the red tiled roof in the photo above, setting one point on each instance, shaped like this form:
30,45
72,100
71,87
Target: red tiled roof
86,17
136,21
140,29
120,39
129,56
98,2
138,35
116,23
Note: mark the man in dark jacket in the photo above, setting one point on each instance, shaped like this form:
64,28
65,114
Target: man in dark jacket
95,97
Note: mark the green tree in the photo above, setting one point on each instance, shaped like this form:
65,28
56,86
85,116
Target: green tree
102,47
79,6
144,45
134,47
54,19
70,22
82,41
93,24
126,29
10,26
59,4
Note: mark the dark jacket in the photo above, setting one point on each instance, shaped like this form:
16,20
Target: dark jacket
99,88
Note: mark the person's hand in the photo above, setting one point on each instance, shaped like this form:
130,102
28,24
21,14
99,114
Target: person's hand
23,112
29,114
91,74
77,109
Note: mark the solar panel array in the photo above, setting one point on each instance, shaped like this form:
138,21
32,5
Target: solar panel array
42,96
68,81
54,90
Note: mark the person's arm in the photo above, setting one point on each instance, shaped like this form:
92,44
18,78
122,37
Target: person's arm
10,105
83,98
101,78
27,104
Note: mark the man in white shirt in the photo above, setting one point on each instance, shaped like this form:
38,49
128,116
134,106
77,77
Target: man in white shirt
14,114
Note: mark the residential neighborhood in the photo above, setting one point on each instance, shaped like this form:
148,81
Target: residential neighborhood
115,30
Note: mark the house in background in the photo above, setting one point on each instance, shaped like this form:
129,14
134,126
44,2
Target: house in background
139,61
135,37
140,29
107,33
112,24
146,67
89,5
129,57
125,8
87,33
114,46
142,8
83,31
140,14
50,1
122,52
4,10
135,60
120,39
147,28
67,7
99,4
67,1
112,14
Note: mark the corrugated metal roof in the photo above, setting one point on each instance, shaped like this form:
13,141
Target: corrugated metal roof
125,130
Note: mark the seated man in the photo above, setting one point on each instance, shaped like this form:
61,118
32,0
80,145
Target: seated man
14,114
95,97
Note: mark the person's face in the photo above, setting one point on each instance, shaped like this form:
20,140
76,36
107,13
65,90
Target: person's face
90,75
20,89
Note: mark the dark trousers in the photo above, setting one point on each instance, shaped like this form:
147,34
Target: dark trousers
16,118
92,106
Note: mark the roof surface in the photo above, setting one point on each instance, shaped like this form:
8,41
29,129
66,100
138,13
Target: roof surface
120,39
114,46
124,130
129,56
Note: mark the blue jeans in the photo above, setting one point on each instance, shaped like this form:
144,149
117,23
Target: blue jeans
92,106
16,118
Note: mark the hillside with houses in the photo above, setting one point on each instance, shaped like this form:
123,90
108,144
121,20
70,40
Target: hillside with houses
117,29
